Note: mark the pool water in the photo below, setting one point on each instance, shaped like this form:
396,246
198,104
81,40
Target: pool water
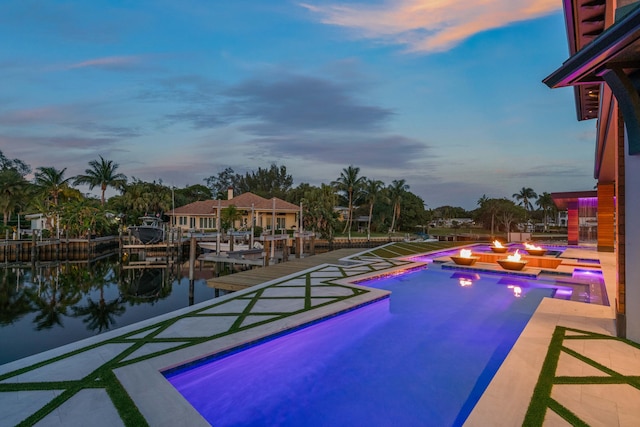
423,357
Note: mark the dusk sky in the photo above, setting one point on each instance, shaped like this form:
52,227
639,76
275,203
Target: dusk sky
446,94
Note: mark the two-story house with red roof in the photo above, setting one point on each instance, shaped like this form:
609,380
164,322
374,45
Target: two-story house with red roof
266,213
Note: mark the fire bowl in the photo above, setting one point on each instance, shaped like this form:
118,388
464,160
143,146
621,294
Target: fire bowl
512,265
465,260
499,250
536,252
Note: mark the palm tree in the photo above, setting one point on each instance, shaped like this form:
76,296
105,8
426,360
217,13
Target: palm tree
545,202
524,197
229,216
396,190
102,173
13,192
51,183
349,183
372,190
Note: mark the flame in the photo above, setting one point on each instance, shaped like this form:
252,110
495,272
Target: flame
530,246
465,253
514,257
497,244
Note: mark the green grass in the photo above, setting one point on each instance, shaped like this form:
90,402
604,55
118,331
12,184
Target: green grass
542,401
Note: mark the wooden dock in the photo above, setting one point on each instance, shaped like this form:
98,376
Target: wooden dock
245,279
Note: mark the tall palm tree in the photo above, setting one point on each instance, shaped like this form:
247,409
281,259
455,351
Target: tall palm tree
13,192
349,183
372,190
524,197
482,200
102,173
51,182
396,190
545,202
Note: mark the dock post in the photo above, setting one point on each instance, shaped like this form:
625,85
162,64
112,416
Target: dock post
34,247
267,250
192,257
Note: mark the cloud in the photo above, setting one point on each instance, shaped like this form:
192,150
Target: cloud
296,102
72,21
110,131
189,89
273,104
31,116
554,170
55,143
430,25
110,63
367,150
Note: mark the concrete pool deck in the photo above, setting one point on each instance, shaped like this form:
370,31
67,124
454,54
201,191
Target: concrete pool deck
76,384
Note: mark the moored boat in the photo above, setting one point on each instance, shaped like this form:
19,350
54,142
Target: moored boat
151,231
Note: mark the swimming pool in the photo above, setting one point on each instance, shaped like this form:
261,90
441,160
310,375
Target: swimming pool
422,357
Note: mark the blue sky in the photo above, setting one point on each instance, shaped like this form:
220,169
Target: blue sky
444,94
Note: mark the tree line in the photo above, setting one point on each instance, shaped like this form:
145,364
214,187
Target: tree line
368,205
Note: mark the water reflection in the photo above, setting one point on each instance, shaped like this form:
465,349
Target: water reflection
14,301
144,285
45,305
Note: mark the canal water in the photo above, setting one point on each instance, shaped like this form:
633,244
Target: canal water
46,306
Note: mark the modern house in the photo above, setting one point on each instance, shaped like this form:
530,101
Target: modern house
604,70
266,213
580,212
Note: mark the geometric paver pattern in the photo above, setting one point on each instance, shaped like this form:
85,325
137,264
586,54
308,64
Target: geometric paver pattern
580,367
49,396
587,379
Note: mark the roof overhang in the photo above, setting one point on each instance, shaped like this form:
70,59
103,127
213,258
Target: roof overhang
585,20
618,45
562,200
613,57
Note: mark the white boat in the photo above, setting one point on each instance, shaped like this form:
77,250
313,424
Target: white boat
151,231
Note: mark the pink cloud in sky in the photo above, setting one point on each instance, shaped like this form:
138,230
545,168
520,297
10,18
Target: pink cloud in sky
29,116
430,25
108,62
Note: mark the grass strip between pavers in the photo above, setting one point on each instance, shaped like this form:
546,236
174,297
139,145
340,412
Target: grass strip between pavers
128,411
104,378
542,400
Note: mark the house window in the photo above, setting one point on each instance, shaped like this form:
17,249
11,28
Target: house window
182,220
206,223
192,223
280,223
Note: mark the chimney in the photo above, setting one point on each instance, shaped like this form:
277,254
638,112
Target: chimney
229,193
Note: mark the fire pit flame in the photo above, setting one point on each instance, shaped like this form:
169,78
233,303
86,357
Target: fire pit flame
515,257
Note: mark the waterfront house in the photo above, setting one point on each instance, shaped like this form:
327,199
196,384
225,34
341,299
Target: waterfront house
604,71
203,215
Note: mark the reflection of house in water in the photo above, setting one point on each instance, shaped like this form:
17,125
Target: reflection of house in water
581,209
